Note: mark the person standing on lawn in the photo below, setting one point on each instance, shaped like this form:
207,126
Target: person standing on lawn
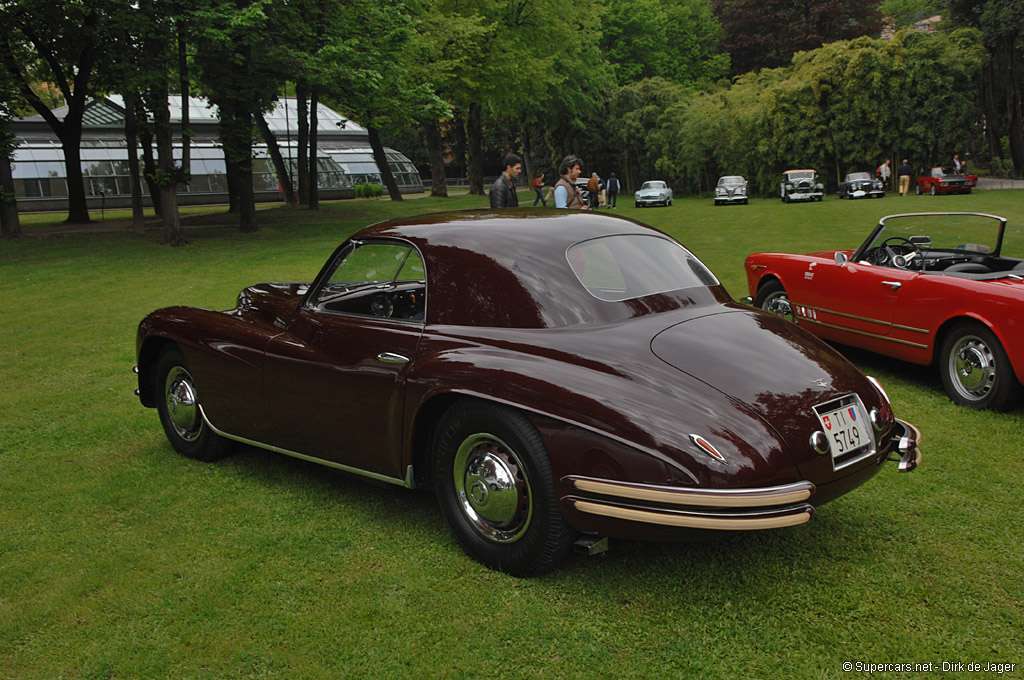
566,193
503,191
538,186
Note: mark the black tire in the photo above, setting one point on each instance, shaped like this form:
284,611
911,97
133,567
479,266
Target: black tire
180,411
494,484
917,189
772,297
975,369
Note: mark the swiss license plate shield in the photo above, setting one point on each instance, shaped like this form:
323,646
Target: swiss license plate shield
844,421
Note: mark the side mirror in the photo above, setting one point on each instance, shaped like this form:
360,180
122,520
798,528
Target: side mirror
841,259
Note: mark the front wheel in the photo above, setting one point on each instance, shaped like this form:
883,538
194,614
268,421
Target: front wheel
772,297
494,484
181,413
975,369
935,192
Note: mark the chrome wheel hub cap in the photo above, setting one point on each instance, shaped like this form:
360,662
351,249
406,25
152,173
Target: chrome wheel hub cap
182,406
778,303
972,367
492,488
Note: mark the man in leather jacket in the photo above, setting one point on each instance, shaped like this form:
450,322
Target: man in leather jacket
503,191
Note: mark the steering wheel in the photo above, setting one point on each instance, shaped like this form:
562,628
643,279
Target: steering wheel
899,251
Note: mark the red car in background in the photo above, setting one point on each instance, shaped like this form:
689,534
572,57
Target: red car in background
929,288
945,180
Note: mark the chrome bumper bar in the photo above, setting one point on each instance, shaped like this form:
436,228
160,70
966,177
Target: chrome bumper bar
906,438
721,509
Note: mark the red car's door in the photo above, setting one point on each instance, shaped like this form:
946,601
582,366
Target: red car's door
333,388
852,303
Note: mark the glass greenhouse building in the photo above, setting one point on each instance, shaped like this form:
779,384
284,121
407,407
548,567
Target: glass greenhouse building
344,157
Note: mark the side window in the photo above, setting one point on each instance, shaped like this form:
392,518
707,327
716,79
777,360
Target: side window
383,280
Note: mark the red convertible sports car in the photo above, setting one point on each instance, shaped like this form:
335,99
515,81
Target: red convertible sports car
944,180
556,377
930,288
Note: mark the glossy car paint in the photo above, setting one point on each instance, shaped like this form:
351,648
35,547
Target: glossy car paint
896,312
860,185
944,180
615,388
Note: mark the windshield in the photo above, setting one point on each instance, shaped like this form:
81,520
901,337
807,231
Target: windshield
653,185
970,233
615,268
853,176
731,181
803,174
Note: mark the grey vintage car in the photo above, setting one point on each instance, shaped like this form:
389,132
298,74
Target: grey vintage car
801,185
731,189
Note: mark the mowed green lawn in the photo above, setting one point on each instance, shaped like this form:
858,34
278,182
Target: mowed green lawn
120,559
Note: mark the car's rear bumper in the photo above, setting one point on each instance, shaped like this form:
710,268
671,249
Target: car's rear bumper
650,506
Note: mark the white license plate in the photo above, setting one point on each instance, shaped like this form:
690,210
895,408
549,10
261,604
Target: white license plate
847,429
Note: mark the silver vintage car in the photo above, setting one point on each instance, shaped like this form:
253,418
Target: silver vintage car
653,192
731,189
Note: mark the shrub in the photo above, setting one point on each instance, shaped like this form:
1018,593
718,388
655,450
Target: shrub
368,190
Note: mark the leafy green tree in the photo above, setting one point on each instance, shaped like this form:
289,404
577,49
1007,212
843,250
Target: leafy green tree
767,33
678,40
238,72
1001,23
10,225
66,40
846,106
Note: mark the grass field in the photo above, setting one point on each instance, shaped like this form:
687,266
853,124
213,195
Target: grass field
120,559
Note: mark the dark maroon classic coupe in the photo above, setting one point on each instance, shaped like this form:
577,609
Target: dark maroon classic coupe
555,376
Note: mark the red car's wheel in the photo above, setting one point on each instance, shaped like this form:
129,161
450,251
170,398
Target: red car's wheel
935,191
772,297
975,369
917,189
493,481
180,411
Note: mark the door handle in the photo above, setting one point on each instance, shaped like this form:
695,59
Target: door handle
392,358
895,285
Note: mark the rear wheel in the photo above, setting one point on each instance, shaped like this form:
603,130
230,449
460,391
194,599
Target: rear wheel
772,297
181,412
494,484
975,369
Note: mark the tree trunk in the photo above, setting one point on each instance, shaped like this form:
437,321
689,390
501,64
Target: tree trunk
301,97
382,164
10,224
135,186
993,121
1014,110
167,175
186,121
131,137
149,169
527,162
275,155
474,134
432,136
236,136
458,130
314,194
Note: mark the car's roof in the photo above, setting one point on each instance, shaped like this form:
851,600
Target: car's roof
508,268
807,170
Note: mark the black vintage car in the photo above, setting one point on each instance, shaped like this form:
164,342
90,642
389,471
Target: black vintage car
861,185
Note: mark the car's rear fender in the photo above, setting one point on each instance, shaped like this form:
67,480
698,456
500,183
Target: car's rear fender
635,417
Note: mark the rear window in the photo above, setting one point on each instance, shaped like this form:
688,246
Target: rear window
623,267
